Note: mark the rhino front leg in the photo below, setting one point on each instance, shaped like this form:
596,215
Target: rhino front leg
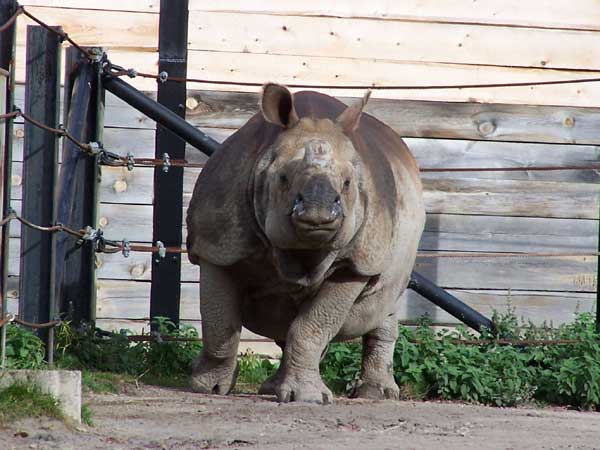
215,370
377,375
314,327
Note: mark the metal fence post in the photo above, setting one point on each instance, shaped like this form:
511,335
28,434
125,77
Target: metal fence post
40,164
7,52
168,185
76,190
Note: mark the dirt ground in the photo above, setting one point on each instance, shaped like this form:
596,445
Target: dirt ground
160,418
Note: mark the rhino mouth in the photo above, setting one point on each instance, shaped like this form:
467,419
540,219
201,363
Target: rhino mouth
317,231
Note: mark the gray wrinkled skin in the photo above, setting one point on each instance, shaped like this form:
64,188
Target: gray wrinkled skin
305,225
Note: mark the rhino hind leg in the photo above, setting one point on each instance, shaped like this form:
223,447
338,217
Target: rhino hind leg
215,370
377,375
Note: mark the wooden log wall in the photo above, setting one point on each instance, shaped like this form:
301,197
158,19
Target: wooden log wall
379,43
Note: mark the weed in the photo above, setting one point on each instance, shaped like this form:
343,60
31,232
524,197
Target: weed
24,350
87,415
254,369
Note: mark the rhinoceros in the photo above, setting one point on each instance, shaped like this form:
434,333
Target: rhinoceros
305,225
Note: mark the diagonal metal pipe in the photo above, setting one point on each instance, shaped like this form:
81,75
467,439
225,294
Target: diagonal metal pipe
160,114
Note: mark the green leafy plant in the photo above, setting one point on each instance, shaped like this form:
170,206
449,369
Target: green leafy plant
254,369
24,350
167,358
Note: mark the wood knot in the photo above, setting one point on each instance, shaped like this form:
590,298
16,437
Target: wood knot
486,128
569,122
195,106
137,270
120,186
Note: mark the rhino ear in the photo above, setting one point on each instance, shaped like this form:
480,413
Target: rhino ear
277,105
349,119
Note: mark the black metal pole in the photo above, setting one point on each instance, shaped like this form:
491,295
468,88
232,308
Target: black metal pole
449,303
161,114
76,191
167,221
7,52
40,163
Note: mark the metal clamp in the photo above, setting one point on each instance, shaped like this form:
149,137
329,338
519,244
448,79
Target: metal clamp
126,248
166,162
130,161
163,76
162,251
95,148
91,234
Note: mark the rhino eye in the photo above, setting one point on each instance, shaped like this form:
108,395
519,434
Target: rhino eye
347,183
283,179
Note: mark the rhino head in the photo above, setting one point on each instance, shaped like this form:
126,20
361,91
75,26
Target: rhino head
308,183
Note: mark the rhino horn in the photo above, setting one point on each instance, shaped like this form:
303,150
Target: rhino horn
317,152
350,117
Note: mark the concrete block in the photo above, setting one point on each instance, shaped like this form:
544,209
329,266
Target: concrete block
63,385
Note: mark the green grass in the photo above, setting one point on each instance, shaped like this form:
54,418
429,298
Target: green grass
19,401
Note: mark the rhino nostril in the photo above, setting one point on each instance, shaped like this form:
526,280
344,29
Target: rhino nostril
337,200
298,208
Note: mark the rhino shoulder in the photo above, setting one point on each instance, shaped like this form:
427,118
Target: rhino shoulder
221,226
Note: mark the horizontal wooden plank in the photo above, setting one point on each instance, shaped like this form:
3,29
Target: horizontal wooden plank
565,14
449,232
393,40
537,13
129,300
473,121
511,198
331,71
142,59
116,29
151,6
496,122
576,274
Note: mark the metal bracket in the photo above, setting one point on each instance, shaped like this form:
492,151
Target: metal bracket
163,76
162,251
130,161
126,248
166,162
95,148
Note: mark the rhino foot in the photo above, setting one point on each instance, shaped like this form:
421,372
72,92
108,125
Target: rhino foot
303,388
214,377
376,390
